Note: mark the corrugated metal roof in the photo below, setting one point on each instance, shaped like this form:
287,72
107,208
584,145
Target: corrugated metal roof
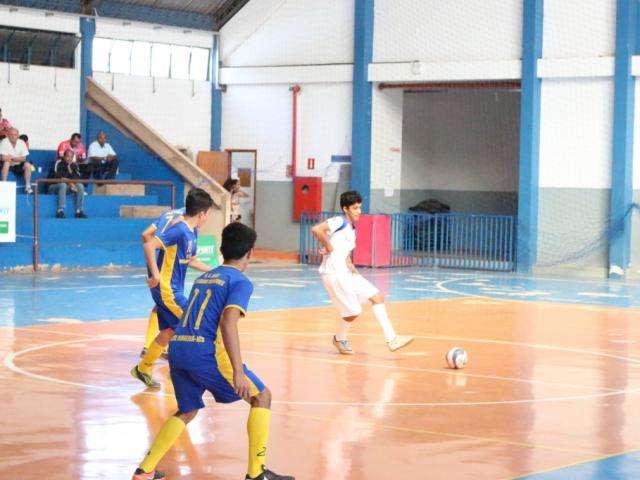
206,7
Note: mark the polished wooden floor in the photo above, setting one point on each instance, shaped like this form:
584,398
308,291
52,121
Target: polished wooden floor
547,385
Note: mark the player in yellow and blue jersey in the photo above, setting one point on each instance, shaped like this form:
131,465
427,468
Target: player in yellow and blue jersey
205,355
159,225
167,270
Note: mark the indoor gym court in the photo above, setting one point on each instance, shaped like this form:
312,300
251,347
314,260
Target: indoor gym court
550,391
496,151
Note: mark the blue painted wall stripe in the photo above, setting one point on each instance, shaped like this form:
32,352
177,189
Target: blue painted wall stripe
623,124
216,99
529,134
88,31
361,122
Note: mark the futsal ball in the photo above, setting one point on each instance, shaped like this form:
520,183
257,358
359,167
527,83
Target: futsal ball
456,358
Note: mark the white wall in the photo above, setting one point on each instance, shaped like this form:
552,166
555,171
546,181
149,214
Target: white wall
576,133
636,138
112,28
579,28
294,32
257,106
43,102
39,19
461,140
447,31
180,110
386,139
260,117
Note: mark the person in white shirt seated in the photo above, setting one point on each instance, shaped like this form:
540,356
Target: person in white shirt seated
103,159
13,154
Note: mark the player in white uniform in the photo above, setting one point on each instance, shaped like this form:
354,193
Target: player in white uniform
348,289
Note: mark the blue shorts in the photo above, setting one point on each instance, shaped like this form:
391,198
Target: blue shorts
189,385
170,311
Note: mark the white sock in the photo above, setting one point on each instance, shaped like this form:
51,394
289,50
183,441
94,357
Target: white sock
343,329
380,312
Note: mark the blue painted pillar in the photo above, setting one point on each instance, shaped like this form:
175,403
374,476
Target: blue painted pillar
87,31
361,117
622,161
216,98
529,135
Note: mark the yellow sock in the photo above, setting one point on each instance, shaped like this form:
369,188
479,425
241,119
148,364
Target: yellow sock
169,433
153,353
152,329
258,429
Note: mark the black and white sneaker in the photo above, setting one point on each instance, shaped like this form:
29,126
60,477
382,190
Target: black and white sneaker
269,475
60,214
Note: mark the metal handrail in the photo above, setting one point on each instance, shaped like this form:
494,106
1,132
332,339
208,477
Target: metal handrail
41,181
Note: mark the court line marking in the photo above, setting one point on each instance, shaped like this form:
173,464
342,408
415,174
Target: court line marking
575,464
442,434
566,303
424,337
9,363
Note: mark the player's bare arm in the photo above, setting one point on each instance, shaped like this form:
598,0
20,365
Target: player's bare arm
321,232
351,266
198,265
231,340
149,233
150,248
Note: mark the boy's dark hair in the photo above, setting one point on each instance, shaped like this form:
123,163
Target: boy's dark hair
237,240
230,183
349,198
197,201
76,135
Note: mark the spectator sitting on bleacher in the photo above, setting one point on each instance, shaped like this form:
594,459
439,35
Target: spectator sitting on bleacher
79,153
104,162
67,168
5,125
13,153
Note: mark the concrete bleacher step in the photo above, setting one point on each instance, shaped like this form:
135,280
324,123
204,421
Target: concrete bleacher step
94,205
142,211
93,229
91,254
114,189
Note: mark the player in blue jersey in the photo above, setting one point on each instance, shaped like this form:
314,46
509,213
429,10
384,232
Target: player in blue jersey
205,355
159,225
167,272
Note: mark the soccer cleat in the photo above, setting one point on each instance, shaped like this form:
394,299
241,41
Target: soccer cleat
81,214
269,475
60,214
399,342
343,346
144,378
140,474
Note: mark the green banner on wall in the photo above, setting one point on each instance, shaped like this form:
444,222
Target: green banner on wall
208,250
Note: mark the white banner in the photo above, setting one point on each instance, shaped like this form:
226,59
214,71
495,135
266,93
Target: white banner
7,211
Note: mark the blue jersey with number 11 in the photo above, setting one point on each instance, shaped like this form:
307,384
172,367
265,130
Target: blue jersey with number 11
212,293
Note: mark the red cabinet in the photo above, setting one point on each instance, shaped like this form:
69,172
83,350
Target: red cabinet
373,241
307,195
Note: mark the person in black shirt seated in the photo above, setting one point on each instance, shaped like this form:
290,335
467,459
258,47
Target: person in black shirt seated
67,168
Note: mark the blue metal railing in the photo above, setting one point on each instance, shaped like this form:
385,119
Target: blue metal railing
452,240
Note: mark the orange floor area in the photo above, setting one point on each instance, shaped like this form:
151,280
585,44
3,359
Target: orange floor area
547,385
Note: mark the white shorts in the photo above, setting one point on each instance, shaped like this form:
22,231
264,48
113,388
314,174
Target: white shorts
349,292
